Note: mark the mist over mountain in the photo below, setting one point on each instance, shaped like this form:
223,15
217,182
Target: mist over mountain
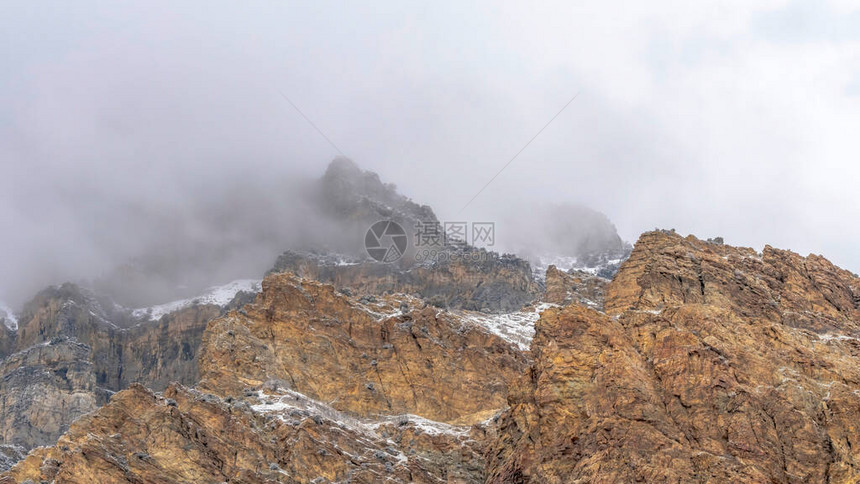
543,231
237,233
341,242
146,248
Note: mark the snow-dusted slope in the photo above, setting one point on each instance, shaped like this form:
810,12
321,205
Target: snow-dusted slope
517,327
286,404
8,316
217,295
605,267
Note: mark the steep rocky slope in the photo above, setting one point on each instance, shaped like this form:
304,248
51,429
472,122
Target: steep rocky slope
668,270
440,338
306,384
358,198
184,436
473,279
699,362
574,287
67,357
44,389
235,232
712,364
394,355
154,352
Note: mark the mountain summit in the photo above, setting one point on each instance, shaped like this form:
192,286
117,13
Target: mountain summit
697,362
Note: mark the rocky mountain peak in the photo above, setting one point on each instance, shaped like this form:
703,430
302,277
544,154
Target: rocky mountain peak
712,363
348,192
699,361
666,270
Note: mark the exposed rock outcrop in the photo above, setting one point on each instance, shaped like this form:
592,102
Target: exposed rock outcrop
10,455
312,385
467,278
710,364
578,287
374,349
43,389
67,357
391,356
185,436
668,270
153,353
350,194
453,276
717,365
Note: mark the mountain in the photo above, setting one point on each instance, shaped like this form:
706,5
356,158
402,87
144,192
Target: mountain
568,236
67,358
236,234
467,278
314,384
711,363
418,355
349,194
697,362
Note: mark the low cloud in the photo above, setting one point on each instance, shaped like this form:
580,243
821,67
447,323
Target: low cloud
129,130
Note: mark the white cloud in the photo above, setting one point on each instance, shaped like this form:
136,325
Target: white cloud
717,118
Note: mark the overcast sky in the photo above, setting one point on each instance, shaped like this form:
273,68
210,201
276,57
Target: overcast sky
731,118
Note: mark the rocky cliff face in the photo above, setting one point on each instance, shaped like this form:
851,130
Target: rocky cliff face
712,364
472,279
306,384
699,362
353,371
394,355
153,353
574,287
456,276
44,389
805,292
67,357
184,436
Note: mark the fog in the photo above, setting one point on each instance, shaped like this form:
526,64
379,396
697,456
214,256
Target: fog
157,128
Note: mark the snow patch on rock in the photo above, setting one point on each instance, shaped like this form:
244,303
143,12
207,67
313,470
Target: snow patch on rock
295,404
605,268
826,337
216,295
517,327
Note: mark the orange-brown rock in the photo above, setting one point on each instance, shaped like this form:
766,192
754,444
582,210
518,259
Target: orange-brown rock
379,359
333,348
711,364
667,270
714,364
185,436
578,287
